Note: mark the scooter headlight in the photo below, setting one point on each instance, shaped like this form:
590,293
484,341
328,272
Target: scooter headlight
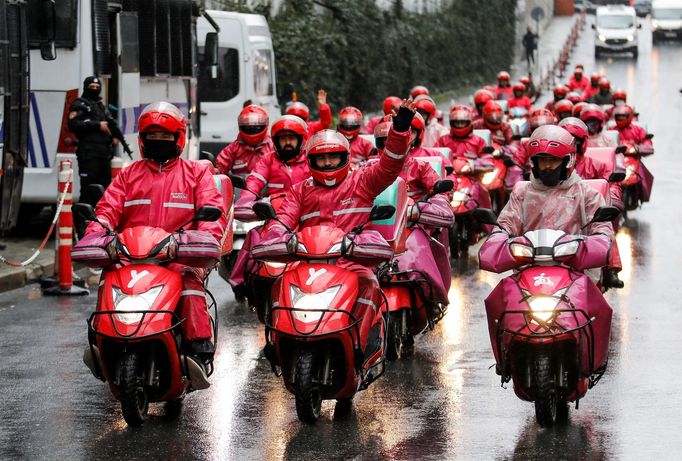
629,171
543,307
489,177
520,251
139,302
566,249
459,197
304,302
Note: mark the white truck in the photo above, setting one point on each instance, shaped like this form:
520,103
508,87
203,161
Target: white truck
246,72
145,51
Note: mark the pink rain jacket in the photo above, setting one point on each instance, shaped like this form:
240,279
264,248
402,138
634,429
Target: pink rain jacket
240,158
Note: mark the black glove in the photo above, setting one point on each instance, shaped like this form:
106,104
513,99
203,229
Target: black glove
403,120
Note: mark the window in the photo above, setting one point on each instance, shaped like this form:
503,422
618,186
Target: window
66,22
262,73
130,58
226,85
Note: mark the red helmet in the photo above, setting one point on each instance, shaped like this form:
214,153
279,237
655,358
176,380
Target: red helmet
419,125
481,97
624,115
461,118
594,117
578,129
299,109
619,95
552,141
381,131
417,90
289,125
560,92
391,104
253,124
425,105
350,121
493,113
503,76
563,109
540,117
519,87
328,142
525,80
574,97
162,116
577,108
604,83
578,70
594,79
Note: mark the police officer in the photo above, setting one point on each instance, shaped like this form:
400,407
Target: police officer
89,121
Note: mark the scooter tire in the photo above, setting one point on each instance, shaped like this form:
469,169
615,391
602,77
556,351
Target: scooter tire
306,390
134,398
393,337
546,398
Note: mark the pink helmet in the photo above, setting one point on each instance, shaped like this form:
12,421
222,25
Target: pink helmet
461,121
578,129
552,141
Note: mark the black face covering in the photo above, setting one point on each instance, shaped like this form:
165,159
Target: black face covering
551,177
593,126
160,151
90,93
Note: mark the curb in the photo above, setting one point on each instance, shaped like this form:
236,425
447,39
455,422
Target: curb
17,277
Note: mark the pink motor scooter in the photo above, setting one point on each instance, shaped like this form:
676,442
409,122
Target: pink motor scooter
549,324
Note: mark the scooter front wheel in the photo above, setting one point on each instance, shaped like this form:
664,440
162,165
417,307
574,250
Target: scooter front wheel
308,398
393,336
134,399
546,398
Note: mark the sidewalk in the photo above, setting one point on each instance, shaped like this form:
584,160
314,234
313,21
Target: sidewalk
21,249
550,43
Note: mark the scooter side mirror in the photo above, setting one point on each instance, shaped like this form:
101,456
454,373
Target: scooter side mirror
621,149
486,216
594,27
237,181
380,212
96,191
617,177
449,170
442,186
205,155
605,214
85,211
208,213
264,211
649,136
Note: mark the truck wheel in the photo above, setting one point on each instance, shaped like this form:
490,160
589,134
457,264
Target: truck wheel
134,399
308,398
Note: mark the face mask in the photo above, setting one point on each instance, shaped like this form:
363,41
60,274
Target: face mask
550,177
160,151
91,94
593,126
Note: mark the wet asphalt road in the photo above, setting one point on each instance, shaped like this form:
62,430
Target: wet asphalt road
444,403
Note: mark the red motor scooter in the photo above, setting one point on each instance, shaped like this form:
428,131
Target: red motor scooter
468,195
322,339
638,180
134,334
549,324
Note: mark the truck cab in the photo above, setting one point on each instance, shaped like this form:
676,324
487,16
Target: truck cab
245,73
615,30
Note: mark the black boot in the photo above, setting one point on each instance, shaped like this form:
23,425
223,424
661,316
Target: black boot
239,292
611,279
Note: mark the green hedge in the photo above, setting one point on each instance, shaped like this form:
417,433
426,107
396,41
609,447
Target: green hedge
361,54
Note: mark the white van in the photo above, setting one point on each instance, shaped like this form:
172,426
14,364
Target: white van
666,19
615,30
246,72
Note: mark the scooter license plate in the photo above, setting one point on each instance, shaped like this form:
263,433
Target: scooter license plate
670,34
